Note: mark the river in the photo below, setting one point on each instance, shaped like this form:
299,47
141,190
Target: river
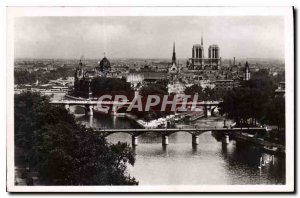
178,163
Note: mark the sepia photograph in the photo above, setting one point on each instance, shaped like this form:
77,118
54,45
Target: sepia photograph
157,99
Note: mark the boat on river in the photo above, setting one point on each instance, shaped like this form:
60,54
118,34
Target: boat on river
274,150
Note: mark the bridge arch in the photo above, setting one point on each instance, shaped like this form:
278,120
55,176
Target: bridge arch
74,108
88,109
212,111
106,134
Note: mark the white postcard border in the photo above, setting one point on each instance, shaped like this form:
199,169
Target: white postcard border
286,12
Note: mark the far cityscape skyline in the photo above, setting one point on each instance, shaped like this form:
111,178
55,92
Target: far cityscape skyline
132,58
147,37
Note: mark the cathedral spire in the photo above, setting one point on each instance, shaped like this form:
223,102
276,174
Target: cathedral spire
174,47
247,65
174,54
201,39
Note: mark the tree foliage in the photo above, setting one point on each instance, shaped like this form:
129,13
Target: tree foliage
194,89
275,112
254,101
25,77
262,81
204,94
153,89
111,86
63,152
244,105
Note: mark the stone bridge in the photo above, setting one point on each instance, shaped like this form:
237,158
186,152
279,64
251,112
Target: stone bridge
195,132
89,105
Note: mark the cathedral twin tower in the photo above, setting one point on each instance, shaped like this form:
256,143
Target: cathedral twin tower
198,60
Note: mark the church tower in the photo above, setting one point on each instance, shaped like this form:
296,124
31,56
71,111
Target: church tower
247,71
78,76
174,54
79,70
202,48
173,69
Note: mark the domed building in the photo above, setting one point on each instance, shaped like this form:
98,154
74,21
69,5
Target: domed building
104,66
84,77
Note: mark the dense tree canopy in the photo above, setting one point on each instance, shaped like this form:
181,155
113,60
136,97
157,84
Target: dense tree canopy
25,77
111,86
204,94
194,89
243,104
63,152
262,81
254,101
153,89
275,112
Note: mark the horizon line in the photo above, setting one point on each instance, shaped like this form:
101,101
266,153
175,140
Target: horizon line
112,58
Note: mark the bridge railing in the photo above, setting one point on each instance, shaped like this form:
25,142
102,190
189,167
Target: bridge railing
122,103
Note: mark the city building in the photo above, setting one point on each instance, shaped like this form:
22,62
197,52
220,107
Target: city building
206,84
83,77
247,74
225,85
161,66
200,62
176,88
140,77
280,91
135,78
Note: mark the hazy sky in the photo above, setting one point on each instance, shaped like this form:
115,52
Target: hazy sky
147,37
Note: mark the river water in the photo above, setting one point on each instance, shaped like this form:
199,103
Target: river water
179,163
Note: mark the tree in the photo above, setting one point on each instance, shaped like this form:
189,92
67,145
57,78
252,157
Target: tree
247,103
112,86
275,112
196,89
153,89
63,152
262,81
25,77
244,105
203,94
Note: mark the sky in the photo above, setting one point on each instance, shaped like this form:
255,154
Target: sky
148,37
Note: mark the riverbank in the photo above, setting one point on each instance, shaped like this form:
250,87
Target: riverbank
267,146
